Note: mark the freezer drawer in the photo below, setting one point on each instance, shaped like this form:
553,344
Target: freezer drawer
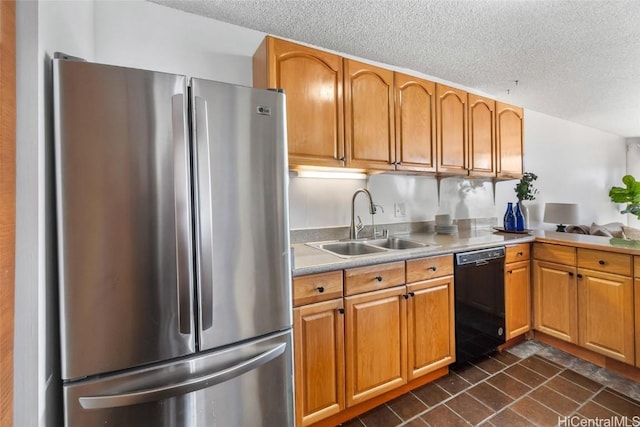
248,385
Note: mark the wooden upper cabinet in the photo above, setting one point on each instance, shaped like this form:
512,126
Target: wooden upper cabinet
312,81
482,136
510,138
369,122
415,108
451,130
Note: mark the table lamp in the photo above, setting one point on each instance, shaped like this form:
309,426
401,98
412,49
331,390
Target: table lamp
561,214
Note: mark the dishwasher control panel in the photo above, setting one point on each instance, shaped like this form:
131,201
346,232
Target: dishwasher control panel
479,255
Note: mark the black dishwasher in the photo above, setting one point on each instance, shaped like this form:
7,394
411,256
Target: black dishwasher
479,297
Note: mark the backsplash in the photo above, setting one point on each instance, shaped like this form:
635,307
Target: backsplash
398,228
326,203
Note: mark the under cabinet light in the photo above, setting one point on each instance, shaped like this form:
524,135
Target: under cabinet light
330,175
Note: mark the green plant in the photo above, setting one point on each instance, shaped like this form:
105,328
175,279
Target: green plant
629,195
525,189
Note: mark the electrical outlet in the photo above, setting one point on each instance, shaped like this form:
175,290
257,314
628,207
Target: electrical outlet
400,209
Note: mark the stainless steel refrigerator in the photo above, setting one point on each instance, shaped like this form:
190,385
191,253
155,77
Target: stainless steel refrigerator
173,250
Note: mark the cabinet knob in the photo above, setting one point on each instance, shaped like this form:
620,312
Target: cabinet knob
341,310
520,253
342,159
570,274
579,276
398,163
433,268
320,289
379,278
601,262
510,271
406,296
412,294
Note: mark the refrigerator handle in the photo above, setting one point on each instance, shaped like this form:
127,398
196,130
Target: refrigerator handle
172,390
204,210
182,191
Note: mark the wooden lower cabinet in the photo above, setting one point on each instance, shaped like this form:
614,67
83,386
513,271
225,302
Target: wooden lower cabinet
606,314
431,326
517,296
555,309
318,333
376,342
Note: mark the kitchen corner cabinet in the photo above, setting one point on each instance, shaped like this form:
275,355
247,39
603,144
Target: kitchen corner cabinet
430,314
415,114
509,140
451,135
482,136
555,308
318,333
517,283
585,298
312,80
605,303
369,116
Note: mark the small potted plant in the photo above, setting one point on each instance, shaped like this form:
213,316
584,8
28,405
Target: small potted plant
526,191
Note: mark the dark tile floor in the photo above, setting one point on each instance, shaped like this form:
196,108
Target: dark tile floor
531,384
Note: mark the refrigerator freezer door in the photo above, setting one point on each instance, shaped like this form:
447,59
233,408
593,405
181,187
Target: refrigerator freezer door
247,385
242,237
124,227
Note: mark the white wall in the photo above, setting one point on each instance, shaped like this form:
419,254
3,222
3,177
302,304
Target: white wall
41,29
145,35
633,168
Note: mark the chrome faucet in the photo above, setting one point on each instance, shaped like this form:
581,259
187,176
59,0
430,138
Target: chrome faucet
353,230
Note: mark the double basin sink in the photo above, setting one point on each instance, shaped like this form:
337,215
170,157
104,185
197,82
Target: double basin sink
351,248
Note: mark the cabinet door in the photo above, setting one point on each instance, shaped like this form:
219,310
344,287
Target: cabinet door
430,326
318,333
517,295
509,137
376,342
312,80
415,107
555,300
482,140
605,307
636,299
451,130
369,126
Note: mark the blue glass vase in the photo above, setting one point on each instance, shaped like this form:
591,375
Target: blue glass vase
519,218
509,218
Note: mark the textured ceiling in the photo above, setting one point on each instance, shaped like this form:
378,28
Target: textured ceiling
577,60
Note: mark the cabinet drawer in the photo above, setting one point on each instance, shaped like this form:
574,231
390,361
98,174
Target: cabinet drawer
317,287
554,253
517,253
373,277
429,268
609,262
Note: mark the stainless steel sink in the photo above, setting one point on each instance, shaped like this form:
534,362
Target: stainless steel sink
396,243
350,248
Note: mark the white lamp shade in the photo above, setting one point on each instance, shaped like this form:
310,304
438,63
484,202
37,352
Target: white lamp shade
561,213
